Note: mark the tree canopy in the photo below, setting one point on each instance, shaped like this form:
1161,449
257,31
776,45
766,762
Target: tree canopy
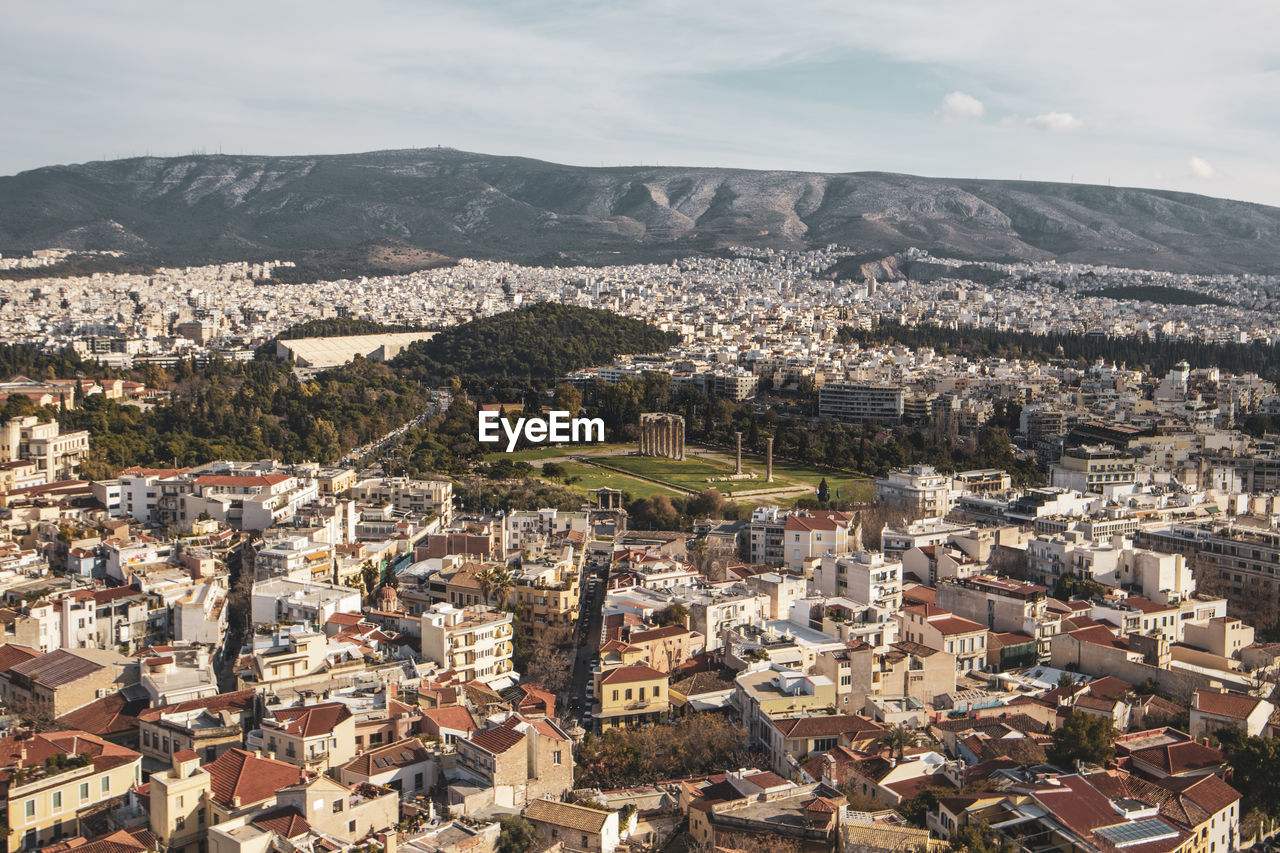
1082,737
542,341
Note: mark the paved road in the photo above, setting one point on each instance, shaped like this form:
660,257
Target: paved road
587,636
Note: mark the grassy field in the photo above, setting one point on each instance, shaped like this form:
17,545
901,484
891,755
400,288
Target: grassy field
590,477
694,470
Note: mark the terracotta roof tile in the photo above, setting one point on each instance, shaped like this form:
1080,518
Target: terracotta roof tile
313,720
240,774
287,822
634,672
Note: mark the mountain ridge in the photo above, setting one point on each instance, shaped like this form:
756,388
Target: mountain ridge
219,206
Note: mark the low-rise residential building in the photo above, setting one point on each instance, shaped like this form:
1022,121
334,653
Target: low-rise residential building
865,578
518,760
474,642
208,727
931,626
918,491
630,695
578,829
315,737
1213,710
55,780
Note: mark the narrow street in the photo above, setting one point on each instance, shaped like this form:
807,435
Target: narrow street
587,636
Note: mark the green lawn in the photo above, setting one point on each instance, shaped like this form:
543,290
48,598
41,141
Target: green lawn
692,473
590,477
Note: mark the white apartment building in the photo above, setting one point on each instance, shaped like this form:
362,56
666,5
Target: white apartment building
861,402
1097,469
55,454
418,497
529,527
919,491
864,578
473,642
295,557
283,600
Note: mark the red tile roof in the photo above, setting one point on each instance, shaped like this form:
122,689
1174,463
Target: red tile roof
497,740
949,625
12,654
104,754
453,717
382,759
634,672
247,480
243,775
658,634
1234,705
287,822
110,715
1180,758
133,840
827,725
237,700
311,721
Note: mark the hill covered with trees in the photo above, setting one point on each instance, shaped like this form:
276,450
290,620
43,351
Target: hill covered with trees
537,342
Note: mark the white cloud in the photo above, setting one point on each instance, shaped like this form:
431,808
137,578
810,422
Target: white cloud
960,106
1201,168
1055,122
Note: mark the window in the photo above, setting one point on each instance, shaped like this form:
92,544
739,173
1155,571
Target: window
417,781
337,806
351,827
555,759
30,809
106,785
657,691
181,801
200,816
615,696
180,824
57,800
628,694
84,791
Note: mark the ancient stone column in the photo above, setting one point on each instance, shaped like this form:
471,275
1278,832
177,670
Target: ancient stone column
768,459
737,467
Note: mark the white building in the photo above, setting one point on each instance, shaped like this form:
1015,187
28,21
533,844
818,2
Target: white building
474,642
864,578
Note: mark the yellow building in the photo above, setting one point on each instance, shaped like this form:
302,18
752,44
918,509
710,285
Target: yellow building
62,776
631,695
547,590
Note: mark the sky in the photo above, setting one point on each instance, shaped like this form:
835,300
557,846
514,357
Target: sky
1170,95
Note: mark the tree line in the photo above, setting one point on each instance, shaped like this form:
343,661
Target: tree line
1154,354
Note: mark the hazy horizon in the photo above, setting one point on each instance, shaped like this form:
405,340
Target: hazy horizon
1170,96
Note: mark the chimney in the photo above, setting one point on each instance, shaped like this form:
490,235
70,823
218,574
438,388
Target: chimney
389,841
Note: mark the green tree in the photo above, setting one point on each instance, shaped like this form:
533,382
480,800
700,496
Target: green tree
517,835
978,838
1082,737
672,614
1255,770
369,575
568,398
899,739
